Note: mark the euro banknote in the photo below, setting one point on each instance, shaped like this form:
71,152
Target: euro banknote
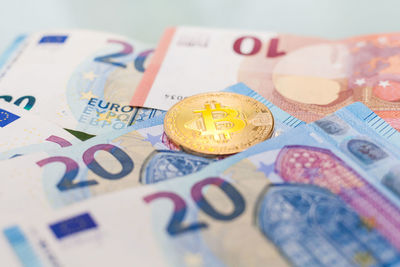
22,128
82,80
11,50
307,77
53,142
140,154
308,197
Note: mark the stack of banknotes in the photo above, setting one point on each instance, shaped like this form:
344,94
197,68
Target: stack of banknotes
89,178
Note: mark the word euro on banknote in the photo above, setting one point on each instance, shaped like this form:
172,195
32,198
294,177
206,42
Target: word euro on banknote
22,128
307,197
307,77
80,79
140,154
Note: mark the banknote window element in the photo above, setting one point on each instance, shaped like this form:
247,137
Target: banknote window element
365,151
332,127
392,180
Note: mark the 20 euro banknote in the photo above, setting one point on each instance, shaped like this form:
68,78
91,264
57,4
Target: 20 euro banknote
21,128
79,79
140,154
308,197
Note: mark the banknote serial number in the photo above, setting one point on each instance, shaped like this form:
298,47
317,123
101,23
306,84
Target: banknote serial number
194,40
174,97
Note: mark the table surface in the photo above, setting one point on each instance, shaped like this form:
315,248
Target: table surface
145,20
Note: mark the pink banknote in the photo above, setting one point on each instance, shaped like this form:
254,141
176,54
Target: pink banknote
307,77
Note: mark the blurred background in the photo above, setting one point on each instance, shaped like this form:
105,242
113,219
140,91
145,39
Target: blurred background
145,20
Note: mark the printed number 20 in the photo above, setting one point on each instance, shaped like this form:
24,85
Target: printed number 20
127,49
175,226
72,167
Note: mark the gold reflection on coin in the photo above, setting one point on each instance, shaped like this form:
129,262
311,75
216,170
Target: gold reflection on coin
218,123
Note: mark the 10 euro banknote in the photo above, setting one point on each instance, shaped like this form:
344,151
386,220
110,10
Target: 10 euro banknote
307,77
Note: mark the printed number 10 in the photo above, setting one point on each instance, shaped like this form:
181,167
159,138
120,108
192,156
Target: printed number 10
272,47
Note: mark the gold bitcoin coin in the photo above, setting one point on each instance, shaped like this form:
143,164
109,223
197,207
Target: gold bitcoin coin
218,123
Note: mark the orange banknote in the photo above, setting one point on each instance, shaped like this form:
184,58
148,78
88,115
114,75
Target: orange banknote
307,77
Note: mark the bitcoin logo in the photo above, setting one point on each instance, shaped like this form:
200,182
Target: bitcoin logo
220,121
